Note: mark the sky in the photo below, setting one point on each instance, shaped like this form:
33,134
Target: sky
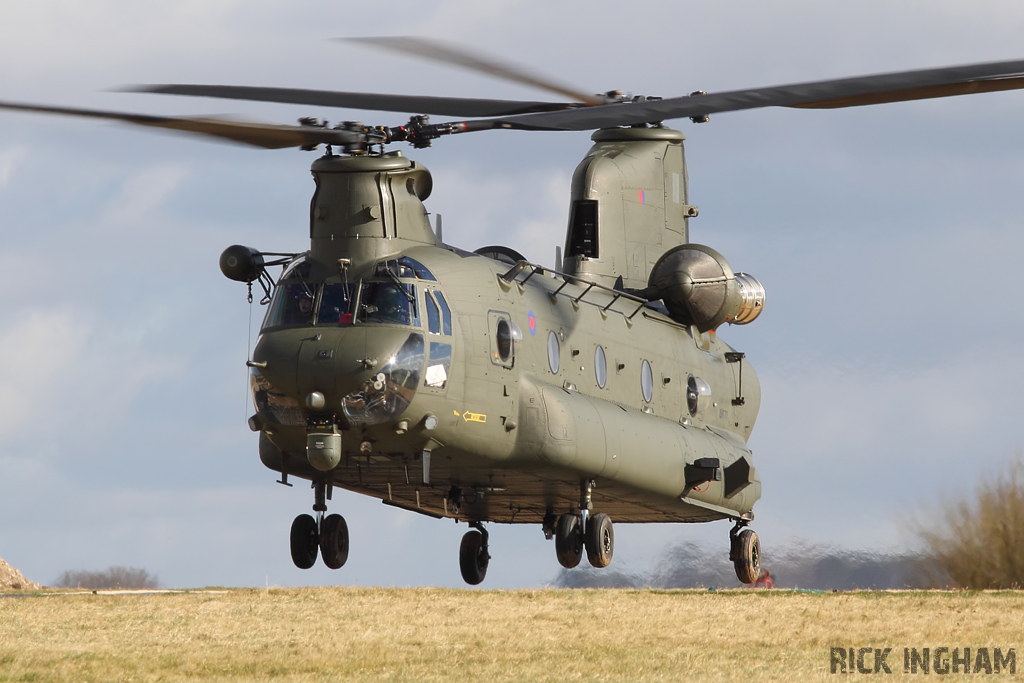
887,239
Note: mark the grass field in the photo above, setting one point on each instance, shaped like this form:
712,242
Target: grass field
372,634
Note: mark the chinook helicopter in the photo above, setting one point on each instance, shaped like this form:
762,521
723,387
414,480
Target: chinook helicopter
481,387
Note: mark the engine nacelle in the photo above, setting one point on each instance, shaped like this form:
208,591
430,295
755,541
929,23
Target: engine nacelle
699,288
242,264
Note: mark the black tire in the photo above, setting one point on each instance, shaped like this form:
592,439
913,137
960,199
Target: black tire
569,540
473,557
304,541
748,557
334,541
600,540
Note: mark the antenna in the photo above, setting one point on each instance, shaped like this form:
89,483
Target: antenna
437,231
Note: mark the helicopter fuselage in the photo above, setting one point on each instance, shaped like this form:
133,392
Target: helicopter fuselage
459,385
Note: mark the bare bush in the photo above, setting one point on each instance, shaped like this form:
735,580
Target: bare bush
113,577
981,544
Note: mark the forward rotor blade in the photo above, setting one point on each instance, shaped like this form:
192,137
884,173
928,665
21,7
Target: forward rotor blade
459,56
437,106
267,136
831,94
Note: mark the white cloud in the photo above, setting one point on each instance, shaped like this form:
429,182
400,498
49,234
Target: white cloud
36,354
9,161
142,195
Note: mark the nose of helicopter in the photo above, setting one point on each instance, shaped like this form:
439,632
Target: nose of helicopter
345,365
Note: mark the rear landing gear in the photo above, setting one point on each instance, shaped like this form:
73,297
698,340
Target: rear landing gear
569,540
473,555
304,541
326,536
600,540
745,553
574,532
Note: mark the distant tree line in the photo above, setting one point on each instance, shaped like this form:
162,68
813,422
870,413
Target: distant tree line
113,577
688,565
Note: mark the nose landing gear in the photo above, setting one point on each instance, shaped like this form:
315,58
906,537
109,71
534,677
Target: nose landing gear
327,536
334,541
304,541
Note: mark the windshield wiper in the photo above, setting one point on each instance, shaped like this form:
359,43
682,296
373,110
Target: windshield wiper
394,278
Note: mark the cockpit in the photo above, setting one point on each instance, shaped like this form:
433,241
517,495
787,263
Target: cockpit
399,293
389,297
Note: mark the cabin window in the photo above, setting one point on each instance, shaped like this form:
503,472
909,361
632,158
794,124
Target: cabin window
503,339
600,366
698,395
582,238
647,381
337,301
553,359
504,336
388,302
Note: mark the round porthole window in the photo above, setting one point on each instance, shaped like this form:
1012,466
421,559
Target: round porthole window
553,352
698,395
647,381
600,366
503,337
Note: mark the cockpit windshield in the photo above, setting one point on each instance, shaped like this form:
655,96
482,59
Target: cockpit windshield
337,301
292,305
388,302
385,299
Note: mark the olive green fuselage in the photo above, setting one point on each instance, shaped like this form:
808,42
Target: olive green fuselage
497,406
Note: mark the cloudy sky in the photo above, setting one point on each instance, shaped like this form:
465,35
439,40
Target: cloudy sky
888,239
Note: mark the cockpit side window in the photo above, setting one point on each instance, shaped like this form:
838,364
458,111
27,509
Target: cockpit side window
337,302
446,314
388,302
410,267
433,315
292,305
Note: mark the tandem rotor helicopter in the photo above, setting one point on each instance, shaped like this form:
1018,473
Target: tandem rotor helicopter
481,387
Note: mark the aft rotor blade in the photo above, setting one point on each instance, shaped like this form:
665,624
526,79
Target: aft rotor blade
460,56
845,92
419,104
267,136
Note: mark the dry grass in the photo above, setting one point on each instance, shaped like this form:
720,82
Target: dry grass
368,634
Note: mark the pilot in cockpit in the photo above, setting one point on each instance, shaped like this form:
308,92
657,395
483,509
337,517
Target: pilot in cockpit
387,303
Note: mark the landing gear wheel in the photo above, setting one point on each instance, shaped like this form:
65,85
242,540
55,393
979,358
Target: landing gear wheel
569,540
600,540
334,541
304,541
473,557
747,556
